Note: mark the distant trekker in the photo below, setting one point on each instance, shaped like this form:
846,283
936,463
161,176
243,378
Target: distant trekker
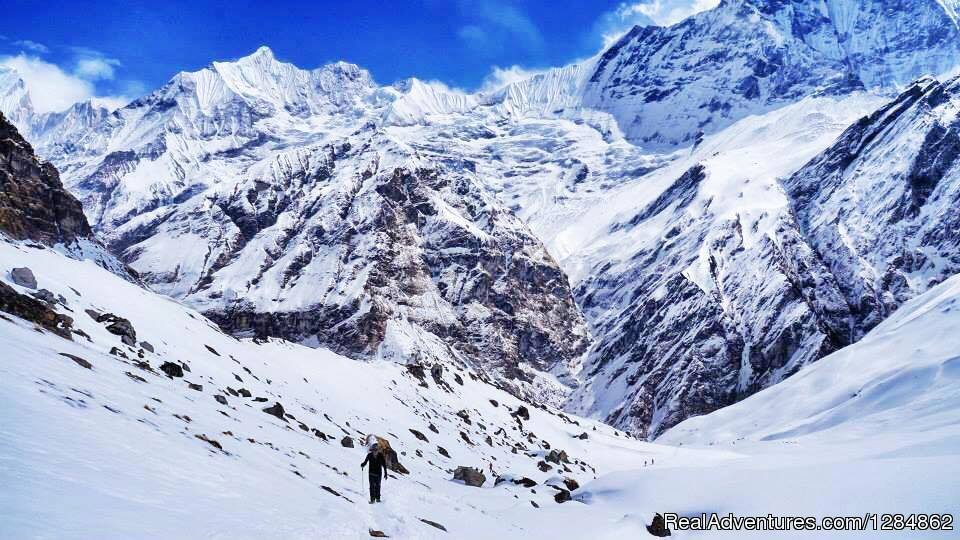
378,467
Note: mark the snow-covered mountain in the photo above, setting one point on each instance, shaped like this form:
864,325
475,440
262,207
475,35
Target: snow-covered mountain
293,214
666,86
634,230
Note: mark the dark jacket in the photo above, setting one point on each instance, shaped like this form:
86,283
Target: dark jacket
378,465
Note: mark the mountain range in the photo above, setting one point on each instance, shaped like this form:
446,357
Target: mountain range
691,216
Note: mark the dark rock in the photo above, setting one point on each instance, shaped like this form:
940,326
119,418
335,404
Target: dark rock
147,346
209,441
80,361
436,371
346,442
458,379
418,372
525,482
494,402
171,369
119,326
33,310
534,504
433,524
261,399
45,296
562,496
23,277
469,476
211,349
558,457
522,412
434,429
543,466
658,527
443,451
419,435
220,399
276,410
134,377
465,416
571,484
583,436
197,387
377,534
244,393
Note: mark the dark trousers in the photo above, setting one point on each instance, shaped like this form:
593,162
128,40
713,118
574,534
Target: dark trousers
374,488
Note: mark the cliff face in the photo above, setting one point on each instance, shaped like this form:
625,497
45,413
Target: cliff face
33,202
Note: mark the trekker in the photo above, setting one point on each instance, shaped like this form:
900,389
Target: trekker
378,466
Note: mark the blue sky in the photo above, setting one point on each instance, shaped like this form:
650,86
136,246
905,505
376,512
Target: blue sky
123,48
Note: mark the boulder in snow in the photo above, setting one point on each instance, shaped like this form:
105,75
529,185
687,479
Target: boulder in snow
23,277
469,476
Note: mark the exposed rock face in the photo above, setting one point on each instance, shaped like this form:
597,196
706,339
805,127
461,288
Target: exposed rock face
880,206
120,327
33,202
276,410
171,369
480,284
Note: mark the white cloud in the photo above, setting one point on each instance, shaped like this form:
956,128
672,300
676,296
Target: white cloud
93,69
668,12
612,25
53,89
32,46
497,24
500,77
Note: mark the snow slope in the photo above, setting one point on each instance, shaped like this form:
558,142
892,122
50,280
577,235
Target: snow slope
113,450
899,383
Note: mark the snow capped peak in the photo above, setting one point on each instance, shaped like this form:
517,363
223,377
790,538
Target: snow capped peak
263,52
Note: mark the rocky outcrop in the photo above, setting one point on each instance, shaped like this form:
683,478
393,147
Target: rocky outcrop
34,311
469,476
33,202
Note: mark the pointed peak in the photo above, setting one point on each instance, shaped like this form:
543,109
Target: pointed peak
263,52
